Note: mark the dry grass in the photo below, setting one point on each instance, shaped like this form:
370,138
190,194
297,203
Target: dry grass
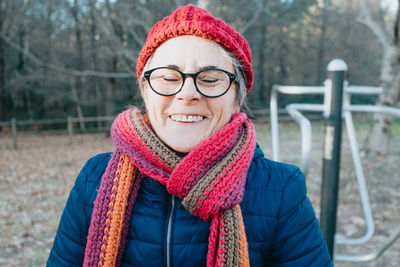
35,181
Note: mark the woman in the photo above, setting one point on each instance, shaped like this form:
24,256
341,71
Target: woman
187,184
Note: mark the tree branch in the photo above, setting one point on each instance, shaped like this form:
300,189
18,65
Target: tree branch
396,27
366,19
253,20
63,70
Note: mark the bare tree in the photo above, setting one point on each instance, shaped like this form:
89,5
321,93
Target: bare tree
379,135
321,45
3,105
94,54
58,55
76,86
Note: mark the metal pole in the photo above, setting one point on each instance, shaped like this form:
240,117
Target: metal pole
14,132
331,158
273,109
70,129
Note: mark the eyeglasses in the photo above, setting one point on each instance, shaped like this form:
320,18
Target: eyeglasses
167,81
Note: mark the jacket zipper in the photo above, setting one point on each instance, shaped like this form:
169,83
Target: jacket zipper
169,230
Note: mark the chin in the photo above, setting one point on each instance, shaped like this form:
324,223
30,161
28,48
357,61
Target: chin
183,146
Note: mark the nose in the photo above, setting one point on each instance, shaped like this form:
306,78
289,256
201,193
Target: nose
188,92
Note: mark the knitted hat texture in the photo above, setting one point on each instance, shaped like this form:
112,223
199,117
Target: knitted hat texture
192,20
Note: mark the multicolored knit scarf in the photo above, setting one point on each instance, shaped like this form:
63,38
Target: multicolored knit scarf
210,179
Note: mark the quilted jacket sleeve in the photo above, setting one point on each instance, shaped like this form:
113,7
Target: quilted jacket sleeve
298,240
70,241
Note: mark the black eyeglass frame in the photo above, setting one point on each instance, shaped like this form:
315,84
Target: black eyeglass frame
232,78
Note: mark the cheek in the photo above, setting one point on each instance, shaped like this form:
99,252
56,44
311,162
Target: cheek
230,105
156,106
144,94
224,109
150,99
236,108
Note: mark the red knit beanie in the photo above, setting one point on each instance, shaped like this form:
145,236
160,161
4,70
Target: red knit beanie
192,20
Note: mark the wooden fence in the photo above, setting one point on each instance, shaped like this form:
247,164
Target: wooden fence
14,127
70,124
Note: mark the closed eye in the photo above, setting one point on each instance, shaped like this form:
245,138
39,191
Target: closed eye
209,80
171,79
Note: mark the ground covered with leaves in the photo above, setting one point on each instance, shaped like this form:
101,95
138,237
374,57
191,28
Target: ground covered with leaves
35,181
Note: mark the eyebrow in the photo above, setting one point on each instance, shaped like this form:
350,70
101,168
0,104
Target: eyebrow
202,68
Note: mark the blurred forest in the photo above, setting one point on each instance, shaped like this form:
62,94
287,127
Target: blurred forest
78,57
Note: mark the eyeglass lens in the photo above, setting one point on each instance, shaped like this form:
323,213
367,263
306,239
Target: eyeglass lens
167,81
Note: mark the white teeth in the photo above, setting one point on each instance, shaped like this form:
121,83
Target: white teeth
184,118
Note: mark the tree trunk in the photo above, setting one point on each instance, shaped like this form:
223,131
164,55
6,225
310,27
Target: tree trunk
49,31
97,93
77,103
261,66
26,94
28,103
380,132
3,107
283,54
111,83
320,70
3,103
79,47
109,93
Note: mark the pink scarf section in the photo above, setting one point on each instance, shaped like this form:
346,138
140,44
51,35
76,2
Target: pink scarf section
210,179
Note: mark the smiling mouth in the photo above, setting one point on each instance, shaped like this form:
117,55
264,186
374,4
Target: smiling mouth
186,118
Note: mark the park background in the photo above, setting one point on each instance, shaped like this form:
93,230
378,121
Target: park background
61,58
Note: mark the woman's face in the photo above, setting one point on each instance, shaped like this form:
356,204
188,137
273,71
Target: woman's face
184,120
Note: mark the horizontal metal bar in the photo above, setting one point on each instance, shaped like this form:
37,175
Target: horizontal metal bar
308,107
374,255
349,89
370,108
297,90
363,90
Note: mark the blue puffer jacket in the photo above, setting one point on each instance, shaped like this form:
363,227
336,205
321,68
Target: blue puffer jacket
280,223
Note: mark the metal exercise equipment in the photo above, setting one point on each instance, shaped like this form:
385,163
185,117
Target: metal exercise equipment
294,111
331,155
